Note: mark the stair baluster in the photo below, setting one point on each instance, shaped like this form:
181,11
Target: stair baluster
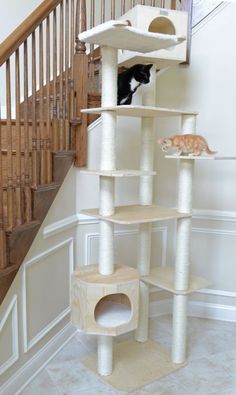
3,260
81,85
55,122
27,178
10,216
19,200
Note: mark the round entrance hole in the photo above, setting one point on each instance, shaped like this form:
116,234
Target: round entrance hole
113,310
162,25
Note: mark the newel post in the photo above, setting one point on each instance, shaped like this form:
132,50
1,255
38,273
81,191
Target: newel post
80,86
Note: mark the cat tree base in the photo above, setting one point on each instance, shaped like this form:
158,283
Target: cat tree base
141,365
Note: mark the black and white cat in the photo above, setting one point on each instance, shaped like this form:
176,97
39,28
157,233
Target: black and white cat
130,80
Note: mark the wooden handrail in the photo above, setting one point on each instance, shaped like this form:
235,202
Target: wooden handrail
20,34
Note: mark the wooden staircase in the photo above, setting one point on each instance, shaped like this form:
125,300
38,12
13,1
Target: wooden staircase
48,78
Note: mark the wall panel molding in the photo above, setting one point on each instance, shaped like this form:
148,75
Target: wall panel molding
20,379
60,226
29,343
95,235
12,311
214,215
213,311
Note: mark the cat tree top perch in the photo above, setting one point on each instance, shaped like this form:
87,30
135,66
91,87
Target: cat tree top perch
118,34
144,35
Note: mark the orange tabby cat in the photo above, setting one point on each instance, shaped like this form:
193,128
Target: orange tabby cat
191,144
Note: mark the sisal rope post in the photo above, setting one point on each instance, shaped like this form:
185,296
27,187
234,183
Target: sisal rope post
106,248
106,203
145,198
186,168
107,186
108,160
184,225
104,355
141,334
109,98
147,141
179,328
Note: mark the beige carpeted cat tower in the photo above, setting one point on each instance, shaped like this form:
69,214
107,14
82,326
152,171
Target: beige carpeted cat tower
110,298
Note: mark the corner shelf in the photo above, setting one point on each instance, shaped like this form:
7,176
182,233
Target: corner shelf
140,111
163,277
118,34
209,157
137,214
117,173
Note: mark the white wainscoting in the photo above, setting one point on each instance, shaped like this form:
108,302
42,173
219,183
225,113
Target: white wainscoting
89,242
60,226
11,314
219,311
90,237
18,381
29,343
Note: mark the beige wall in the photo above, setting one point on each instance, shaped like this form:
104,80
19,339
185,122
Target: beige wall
13,13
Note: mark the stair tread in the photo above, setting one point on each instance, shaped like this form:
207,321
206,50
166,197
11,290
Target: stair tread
136,214
23,227
118,34
8,270
140,111
164,278
47,187
116,173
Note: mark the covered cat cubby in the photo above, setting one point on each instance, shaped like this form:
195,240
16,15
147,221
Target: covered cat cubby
105,305
156,20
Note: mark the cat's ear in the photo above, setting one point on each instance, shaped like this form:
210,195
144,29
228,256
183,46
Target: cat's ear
149,66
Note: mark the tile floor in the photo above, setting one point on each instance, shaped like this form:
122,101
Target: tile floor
211,367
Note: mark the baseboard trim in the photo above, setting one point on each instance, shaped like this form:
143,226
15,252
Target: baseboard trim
27,372
212,311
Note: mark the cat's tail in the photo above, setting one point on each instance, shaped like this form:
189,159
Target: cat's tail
210,152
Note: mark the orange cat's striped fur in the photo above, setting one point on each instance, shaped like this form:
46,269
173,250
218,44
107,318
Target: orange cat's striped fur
192,144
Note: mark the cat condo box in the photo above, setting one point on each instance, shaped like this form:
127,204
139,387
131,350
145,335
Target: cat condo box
157,20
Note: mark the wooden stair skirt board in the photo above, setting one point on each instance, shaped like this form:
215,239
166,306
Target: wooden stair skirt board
21,237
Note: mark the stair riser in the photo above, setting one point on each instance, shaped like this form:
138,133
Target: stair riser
42,200
19,242
5,283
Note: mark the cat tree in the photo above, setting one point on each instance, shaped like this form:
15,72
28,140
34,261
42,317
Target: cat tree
105,298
